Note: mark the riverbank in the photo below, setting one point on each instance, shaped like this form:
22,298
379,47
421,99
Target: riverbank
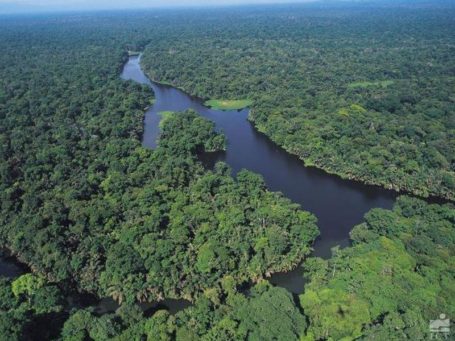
338,204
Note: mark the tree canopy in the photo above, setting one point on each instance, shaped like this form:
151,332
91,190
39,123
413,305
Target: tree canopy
363,94
398,275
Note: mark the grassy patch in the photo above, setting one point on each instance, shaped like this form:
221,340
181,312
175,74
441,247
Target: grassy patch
235,104
362,85
165,115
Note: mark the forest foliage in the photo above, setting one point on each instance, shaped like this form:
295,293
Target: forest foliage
398,275
89,209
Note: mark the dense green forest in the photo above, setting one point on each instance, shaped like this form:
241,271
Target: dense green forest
398,275
91,210
365,94
84,204
27,305
82,200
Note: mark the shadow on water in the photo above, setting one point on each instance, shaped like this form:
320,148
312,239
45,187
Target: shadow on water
338,204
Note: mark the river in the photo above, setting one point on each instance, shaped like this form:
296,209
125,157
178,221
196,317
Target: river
338,204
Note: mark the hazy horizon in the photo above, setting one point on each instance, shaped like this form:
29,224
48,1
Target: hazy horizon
18,6
43,6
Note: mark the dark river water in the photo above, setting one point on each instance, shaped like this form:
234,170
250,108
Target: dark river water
9,266
338,204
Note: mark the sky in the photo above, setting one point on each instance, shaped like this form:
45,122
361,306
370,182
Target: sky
58,5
